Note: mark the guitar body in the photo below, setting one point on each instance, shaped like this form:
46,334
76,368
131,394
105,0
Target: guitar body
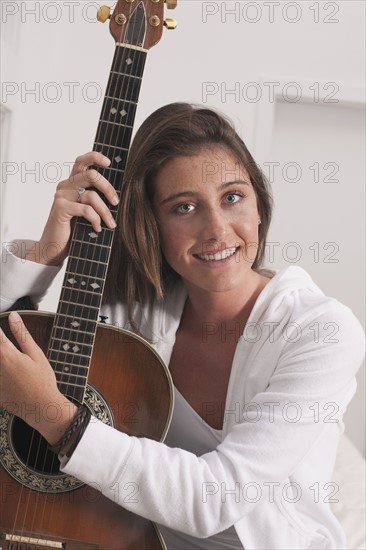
133,393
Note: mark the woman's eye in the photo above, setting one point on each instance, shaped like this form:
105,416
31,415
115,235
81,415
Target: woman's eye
232,198
184,208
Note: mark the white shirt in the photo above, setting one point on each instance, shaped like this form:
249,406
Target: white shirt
292,377
190,432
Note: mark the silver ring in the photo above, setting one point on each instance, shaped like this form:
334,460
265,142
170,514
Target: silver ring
80,191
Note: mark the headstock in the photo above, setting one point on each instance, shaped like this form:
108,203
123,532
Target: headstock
138,22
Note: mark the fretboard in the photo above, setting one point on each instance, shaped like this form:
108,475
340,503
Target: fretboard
77,315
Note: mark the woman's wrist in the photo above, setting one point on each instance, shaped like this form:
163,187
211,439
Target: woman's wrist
52,430
68,442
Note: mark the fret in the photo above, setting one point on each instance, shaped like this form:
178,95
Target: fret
119,100
79,304
65,366
85,325
69,370
80,281
103,171
114,133
77,313
71,379
82,297
111,146
77,331
116,123
85,299
74,317
129,61
99,253
84,232
87,268
105,230
117,155
125,74
72,336
75,393
119,110
99,245
58,345
125,87
72,386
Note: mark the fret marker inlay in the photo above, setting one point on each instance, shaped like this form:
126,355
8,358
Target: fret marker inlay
93,235
129,61
118,159
76,349
66,347
71,281
66,369
123,113
94,285
75,324
113,110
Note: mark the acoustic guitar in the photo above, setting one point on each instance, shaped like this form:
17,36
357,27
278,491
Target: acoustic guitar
115,373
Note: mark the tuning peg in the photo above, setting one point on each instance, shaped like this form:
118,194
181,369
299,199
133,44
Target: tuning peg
103,14
170,23
171,4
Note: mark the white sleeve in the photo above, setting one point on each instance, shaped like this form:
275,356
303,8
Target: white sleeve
170,482
21,277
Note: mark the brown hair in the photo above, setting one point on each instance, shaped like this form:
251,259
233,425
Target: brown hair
138,271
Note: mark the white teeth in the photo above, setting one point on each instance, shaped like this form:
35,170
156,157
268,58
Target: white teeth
218,256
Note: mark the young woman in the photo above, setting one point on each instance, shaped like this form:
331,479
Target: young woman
260,386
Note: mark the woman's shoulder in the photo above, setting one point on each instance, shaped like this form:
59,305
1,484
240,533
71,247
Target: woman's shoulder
293,295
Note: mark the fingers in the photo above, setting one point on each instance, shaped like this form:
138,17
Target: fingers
93,212
89,178
6,345
83,162
69,202
23,336
84,176
94,205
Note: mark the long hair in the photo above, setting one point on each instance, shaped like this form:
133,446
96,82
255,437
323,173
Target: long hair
138,270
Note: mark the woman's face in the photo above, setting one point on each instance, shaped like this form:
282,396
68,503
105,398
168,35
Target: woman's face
208,219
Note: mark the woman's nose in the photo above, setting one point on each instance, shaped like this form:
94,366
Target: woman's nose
215,226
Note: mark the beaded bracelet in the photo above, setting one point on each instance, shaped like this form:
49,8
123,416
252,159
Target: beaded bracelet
71,438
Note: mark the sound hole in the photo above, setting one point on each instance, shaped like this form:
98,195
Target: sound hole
32,449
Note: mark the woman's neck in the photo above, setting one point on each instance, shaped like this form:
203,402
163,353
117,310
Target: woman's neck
218,311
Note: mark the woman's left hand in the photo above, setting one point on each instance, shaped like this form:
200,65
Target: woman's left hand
28,385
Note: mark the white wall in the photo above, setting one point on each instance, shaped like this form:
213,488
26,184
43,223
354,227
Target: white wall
211,53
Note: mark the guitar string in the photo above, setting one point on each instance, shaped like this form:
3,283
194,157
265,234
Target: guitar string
123,50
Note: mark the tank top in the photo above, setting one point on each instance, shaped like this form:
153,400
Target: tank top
190,432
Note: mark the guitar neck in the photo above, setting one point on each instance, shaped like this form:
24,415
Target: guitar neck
75,324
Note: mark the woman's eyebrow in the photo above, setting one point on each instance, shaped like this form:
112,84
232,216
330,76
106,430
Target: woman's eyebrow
178,195
235,182
195,194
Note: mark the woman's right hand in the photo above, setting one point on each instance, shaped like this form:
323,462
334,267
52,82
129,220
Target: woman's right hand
68,202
